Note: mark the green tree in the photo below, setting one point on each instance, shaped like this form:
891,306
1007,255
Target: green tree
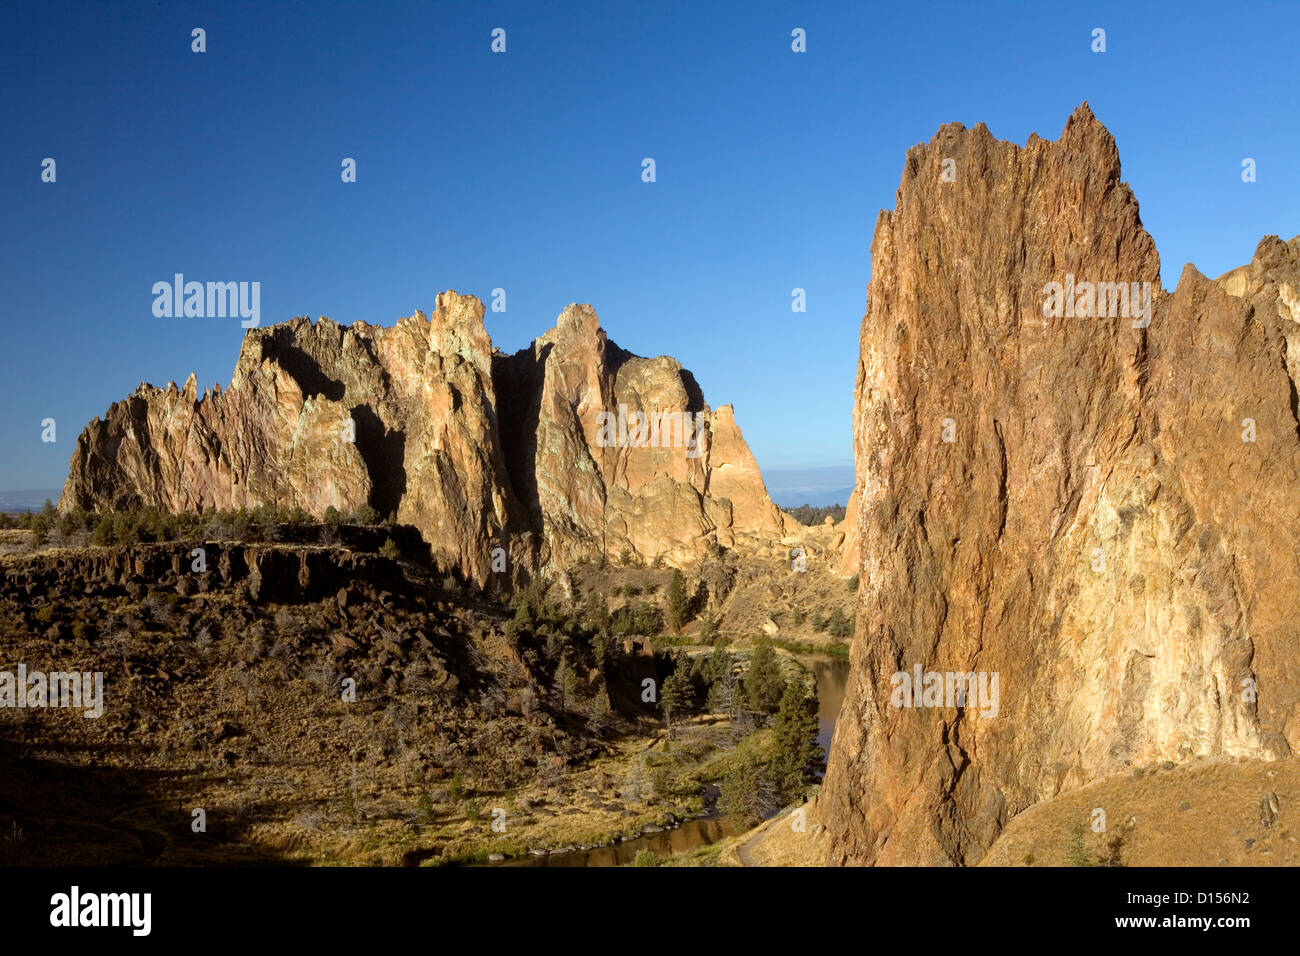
600,649
103,533
425,807
764,683
677,694
794,742
708,629
747,795
725,696
597,615
677,601
70,522
1076,852
457,788
566,682
599,717
716,663
838,625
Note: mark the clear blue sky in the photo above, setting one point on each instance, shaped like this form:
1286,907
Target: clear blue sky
523,171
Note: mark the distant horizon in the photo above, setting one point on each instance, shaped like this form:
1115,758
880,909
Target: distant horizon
818,487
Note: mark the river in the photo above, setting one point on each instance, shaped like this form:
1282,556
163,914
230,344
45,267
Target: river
831,674
689,836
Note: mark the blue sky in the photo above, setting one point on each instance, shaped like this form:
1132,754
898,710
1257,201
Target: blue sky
523,171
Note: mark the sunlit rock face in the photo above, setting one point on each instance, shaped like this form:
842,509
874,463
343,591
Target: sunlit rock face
525,462
1097,503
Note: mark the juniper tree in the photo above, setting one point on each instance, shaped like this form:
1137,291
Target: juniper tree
677,694
566,682
764,683
677,601
794,741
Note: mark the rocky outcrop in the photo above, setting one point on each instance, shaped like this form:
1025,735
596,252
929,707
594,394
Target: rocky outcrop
572,448
1099,512
597,478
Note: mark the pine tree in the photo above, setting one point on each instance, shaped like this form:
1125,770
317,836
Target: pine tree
838,625
764,684
599,718
794,741
566,682
747,794
716,664
677,694
677,601
725,694
708,629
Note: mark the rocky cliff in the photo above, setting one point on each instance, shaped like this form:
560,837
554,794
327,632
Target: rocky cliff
571,448
1084,499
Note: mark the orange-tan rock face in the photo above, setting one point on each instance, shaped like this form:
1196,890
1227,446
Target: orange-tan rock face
682,485
476,449
1074,504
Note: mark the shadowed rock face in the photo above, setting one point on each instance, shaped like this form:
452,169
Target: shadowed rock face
1096,531
476,449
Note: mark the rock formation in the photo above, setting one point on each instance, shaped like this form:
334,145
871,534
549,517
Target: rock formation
1103,512
529,453
690,485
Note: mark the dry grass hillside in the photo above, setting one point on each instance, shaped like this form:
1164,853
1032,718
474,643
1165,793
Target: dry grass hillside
1212,812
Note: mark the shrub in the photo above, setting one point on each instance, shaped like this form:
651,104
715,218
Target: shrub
390,550
708,630
103,533
457,788
1076,854
70,522
639,618
366,515
424,806
838,625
